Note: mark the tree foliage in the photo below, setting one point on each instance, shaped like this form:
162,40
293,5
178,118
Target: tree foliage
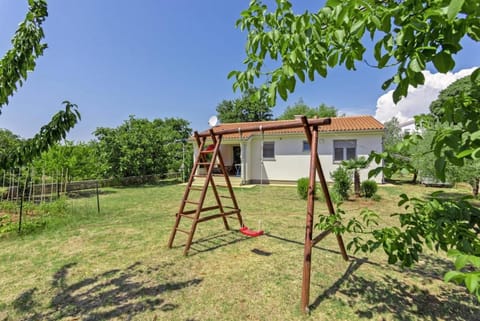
78,161
8,142
407,34
14,66
245,109
393,133
27,47
142,147
49,134
300,108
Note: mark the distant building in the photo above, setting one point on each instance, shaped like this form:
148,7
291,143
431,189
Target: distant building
283,156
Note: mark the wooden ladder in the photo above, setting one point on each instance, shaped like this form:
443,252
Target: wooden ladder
207,159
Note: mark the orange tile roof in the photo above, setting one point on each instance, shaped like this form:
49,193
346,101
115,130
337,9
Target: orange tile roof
338,124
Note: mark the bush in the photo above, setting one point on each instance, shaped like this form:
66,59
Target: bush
369,188
341,182
302,187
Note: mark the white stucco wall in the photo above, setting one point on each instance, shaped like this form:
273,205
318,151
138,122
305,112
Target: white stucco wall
291,162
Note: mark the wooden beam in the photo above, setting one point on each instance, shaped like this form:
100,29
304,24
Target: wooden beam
267,127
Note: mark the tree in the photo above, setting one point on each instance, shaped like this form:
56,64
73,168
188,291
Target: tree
8,141
14,67
141,147
300,108
409,35
356,165
79,161
245,109
27,47
393,133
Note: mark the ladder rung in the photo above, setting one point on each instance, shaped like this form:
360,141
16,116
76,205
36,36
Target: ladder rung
210,217
231,208
225,196
204,163
205,209
183,231
187,215
195,188
220,185
207,151
192,202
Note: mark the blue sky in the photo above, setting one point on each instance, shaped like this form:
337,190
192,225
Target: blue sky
156,59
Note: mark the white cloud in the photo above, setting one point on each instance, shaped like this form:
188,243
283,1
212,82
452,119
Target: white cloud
418,99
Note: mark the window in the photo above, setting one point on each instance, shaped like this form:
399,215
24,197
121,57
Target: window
268,150
306,146
344,150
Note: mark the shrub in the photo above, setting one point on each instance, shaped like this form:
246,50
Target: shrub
369,188
302,187
341,182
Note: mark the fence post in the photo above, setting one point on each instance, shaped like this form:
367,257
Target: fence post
21,214
98,199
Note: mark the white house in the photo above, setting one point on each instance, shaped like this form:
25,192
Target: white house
283,156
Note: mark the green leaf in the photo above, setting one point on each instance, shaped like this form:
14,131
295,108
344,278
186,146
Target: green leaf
376,21
272,94
333,59
461,261
443,62
453,276
464,153
471,281
232,73
282,91
476,153
414,65
401,90
339,35
386,23
454,9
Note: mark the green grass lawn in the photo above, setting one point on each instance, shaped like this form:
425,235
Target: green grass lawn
115,265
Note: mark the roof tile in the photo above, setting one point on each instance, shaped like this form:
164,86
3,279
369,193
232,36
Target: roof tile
338,124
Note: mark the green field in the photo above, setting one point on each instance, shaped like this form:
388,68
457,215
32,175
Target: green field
115,265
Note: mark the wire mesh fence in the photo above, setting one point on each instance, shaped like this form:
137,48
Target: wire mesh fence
26,198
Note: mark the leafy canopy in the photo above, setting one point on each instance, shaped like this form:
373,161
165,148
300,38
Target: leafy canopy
245,109
300,108
26,48
407,34
142,147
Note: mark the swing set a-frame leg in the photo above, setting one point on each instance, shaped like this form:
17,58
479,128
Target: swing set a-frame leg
315,167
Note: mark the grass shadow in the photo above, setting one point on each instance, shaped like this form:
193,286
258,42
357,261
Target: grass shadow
407,302
214,242
397,297
117,293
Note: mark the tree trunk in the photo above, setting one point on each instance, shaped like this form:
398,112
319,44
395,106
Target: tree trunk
356,183
414,179
475,186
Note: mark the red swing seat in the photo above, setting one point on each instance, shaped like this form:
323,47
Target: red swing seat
248,232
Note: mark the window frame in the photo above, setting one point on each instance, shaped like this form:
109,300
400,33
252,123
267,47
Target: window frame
269,143
344,149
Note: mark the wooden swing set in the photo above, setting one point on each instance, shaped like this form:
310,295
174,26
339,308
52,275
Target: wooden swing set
209,158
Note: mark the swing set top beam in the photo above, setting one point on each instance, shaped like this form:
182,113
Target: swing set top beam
266,127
